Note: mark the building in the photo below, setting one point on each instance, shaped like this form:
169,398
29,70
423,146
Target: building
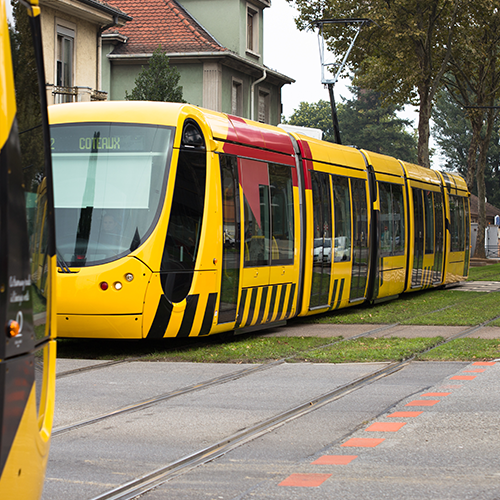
490,211
217,46
71,32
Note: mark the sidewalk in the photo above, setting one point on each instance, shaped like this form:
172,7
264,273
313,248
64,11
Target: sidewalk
296,329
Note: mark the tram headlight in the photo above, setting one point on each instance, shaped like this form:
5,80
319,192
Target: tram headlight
117,285
129,277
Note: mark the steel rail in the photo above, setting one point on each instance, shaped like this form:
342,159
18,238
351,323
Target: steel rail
143,404
147,482
222,379
139,486
138,358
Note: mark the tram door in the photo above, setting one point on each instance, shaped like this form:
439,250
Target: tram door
418,238
360,240
269,277
230,280
439,251
322,220
391,240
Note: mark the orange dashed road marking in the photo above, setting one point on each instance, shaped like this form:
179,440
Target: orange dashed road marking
483,363
405,414
423,402
334,460
363,442
477,370
463,377
385,426
436,394
305,480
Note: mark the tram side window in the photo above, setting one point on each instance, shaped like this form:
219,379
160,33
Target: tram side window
268,213
342,218
457,220
280,178
392,234
429,222
254,178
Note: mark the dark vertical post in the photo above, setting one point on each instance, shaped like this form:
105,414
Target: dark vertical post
336,128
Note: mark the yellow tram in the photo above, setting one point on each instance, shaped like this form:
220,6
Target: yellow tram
27,277
174,221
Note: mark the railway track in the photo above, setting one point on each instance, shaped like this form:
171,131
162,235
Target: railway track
148,481
101,365
148,402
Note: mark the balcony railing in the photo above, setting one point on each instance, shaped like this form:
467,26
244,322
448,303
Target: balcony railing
76,94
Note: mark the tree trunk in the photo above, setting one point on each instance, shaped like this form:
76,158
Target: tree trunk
472,155
474,176
424,116
481,191
483,144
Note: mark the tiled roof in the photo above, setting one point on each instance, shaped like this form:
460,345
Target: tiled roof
106,6
162,22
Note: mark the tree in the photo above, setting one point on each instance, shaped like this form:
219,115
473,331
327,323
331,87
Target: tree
473,81
363,123
453,132
158,82
403,54
366,123
314,115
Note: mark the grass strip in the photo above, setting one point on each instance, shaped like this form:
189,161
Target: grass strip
467,349
410,308
479,308
485,273
243,350
369,349
253,349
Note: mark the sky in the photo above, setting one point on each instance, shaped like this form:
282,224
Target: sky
295,54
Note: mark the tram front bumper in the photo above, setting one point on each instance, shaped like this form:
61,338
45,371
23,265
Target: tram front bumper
114,326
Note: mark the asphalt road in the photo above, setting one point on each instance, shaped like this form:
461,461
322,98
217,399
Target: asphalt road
364,444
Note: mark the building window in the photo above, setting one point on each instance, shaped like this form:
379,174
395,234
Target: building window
263,115
237,98
64,61
252,30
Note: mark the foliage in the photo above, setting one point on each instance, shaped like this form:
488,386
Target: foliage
473,80
314,115
452,131
158,82
364,122
403,53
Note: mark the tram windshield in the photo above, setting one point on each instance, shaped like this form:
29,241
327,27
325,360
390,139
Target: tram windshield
109,182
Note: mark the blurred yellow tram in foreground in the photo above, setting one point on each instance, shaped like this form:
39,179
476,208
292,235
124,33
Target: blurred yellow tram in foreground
27,278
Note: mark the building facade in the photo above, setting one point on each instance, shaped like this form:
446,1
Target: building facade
216,45
71,33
